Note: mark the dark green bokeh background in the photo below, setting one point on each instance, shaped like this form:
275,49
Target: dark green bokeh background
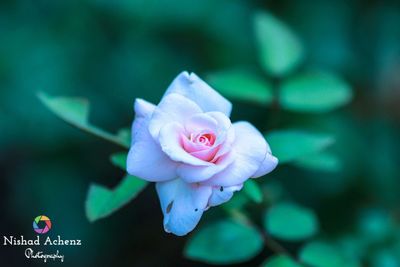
114,51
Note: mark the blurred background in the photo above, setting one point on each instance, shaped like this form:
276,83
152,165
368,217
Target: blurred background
112,52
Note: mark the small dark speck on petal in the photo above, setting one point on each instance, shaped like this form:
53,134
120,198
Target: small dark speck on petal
169,207
196,209
221,188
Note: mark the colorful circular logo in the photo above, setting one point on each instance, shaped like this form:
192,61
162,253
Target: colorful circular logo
41,224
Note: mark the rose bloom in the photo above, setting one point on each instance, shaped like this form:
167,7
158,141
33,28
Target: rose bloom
189,147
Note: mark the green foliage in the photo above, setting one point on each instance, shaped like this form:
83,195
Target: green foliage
314,92
323,161
72,110
290,222
115,51
253,191
76,112
320,254
280,261
280,50
384,258
102,202
242,85
274,190
119,159
292,145
238,201
224,242
124,136
375,225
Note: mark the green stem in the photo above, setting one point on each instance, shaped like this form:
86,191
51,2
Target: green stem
101,134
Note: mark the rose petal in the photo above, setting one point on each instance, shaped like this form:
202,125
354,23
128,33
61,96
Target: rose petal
225,133
143,108
250,148
194,174
267,166
170,141
172,108
190,146
194,88
182,205
226,146
223,122
201,122
222,194
205,154
145,153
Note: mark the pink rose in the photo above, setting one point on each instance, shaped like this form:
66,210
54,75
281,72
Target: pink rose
189,147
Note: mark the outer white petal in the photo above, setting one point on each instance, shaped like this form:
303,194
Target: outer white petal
267,166
194,88
222,194
145,153
170,143
182,205
250,148
172,108
143,108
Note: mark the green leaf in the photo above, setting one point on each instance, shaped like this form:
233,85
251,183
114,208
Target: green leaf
280,261
314,92
280,50
353,247
119,159
290,145
290,222
75,111
102,202
323,161
238,201
321,254
253,191
242,85
224,242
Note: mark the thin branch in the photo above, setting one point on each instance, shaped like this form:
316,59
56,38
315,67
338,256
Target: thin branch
93,130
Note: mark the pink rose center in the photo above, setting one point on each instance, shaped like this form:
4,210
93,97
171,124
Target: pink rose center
200,145
206,139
